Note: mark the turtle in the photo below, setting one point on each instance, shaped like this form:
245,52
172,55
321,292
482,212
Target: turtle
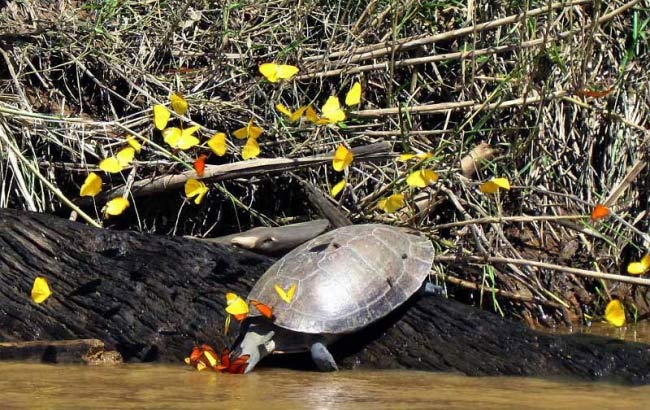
342,281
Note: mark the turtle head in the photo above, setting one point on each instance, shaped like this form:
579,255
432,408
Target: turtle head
256,342
261,241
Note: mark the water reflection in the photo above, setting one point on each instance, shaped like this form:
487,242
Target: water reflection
45,387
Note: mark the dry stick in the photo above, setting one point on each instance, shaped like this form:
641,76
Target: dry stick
631,175
377,50
391,133
261,166
322,204
464,54
500,292
544,265
490,220
443,107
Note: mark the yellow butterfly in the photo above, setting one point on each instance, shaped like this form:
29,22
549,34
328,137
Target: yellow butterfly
640,267
288,295
494,184
179,104
236,306
392,203
312,117
291,116
332,110
615,313
251,149
134,143
181,139
92,185
195,188
421,178
423,155
116,206
160,116
40,290
353,97
218,144
249,131
275,72
117,162
342,158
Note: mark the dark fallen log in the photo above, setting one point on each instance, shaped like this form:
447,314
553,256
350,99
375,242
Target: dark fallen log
153,298
58,351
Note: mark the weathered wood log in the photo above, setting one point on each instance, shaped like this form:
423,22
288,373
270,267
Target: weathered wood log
57,351
153,297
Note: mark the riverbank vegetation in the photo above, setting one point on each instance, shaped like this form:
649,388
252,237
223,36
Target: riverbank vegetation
548,98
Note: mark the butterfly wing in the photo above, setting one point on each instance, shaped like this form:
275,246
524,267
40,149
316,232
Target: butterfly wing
286,71
270,71
353,97
263,308
332,109
599,211
199,164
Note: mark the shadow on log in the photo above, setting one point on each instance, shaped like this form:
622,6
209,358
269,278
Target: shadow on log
153,297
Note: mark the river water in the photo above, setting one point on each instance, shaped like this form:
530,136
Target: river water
154,386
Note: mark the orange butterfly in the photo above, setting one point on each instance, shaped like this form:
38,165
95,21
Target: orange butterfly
203,357
194,356
599,211
239,365
263,308
225,360
199,164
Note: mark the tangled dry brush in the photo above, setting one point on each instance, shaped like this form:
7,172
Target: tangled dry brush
552,95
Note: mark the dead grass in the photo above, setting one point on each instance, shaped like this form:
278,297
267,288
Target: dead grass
438,77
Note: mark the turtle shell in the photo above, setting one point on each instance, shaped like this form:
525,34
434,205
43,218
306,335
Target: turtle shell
345,279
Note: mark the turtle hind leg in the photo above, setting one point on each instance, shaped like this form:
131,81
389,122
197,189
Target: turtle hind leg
429,289
322,358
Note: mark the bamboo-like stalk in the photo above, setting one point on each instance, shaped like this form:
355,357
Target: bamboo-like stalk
544,265
444,107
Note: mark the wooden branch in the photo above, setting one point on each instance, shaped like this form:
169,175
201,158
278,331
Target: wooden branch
241,169
544,265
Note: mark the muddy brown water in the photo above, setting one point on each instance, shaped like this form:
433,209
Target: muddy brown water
155,386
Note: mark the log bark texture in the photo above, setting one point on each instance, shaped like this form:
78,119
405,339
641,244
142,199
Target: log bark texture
153,297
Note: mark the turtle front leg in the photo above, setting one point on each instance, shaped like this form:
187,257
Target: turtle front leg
322,357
